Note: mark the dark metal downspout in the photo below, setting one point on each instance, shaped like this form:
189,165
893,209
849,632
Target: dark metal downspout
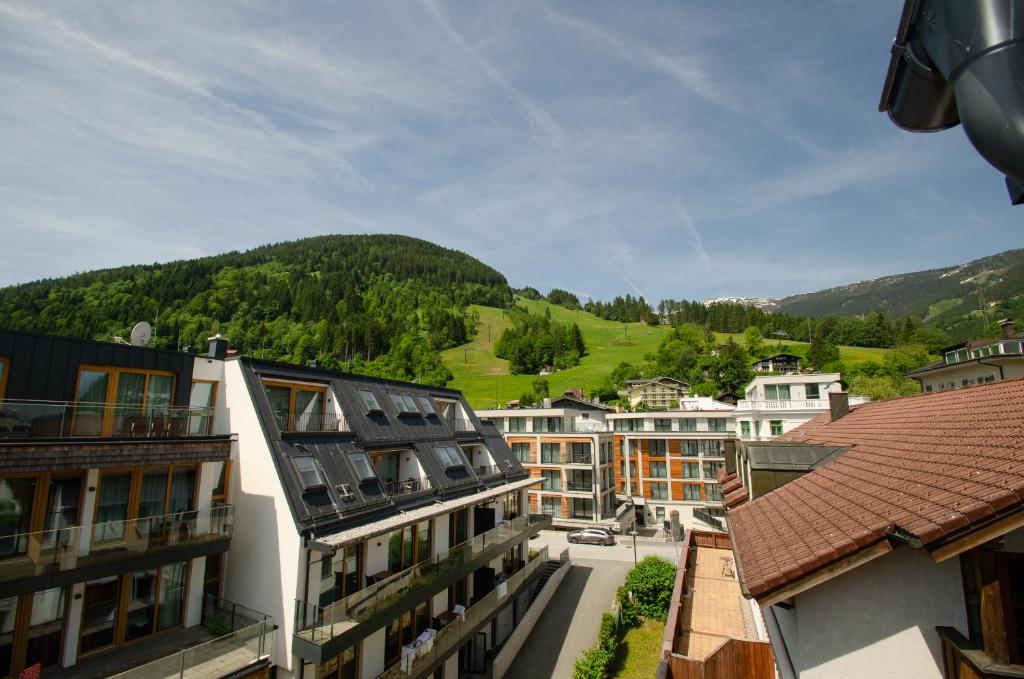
994,365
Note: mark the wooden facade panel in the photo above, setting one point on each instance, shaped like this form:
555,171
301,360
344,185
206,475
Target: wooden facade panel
675,469
675,447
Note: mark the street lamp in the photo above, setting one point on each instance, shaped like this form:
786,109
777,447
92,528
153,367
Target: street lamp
633,533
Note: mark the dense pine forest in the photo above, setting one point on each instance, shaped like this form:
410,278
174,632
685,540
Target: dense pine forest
534,341
383,305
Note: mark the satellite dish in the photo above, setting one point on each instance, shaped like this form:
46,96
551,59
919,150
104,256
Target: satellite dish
141,334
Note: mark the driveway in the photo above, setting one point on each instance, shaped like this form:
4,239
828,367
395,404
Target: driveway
570,623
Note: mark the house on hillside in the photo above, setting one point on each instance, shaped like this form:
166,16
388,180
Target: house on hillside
775,404
656,393
779,363
975,362
898,550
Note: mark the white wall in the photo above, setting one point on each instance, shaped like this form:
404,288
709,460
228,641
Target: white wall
972,371
372,655
376,554
878,620
266,554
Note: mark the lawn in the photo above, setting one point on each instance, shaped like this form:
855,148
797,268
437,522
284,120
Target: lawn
639,651
485,379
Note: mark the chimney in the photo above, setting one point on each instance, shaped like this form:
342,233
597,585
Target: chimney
838,404
546,403
1007,325
218,346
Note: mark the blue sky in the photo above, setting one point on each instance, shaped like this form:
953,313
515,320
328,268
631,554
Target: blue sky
670,149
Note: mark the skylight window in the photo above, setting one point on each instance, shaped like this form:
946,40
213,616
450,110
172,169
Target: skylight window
369,400
450,456
364,470
405,404
426,406
309,473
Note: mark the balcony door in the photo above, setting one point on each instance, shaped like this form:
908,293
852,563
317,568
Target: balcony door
118,402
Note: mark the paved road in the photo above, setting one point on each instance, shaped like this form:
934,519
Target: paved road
571,620
622,550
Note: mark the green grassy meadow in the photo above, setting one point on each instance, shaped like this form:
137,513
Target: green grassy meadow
485,379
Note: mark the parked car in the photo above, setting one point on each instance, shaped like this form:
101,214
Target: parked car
592,536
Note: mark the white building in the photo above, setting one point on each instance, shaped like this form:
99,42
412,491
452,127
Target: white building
774,405
975,362
658,393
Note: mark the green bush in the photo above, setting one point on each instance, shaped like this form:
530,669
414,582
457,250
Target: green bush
593,664
651,582
629,614
608,636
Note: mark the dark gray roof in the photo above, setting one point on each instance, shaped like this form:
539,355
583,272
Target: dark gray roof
790,456
572,401
327,508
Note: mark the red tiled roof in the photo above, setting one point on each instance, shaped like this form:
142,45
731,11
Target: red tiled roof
725,476
931,464
731,485
735,498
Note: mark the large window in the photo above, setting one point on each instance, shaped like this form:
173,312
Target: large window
711,469
550,453
657,491
691,491
657,447
408,546
580,452
657,470
149,493
745,428
369,400
629,424
201,403
813,390
450,456
552,506
776,392
17,497
309,473
297,407
662,425
522,451
691,470
776,427
717,423
114,402
712,492
405,404
552,479
547,424
364,470
688,424
581,508
704,447
517,424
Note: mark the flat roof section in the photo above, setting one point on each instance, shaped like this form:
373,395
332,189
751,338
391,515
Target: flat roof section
715,609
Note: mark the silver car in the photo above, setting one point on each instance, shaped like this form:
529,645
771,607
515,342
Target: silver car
591,536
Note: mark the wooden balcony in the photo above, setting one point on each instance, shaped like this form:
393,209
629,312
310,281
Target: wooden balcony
964,659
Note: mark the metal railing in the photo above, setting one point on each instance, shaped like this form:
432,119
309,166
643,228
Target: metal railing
487,470
410,485
24,555
242,637
579,458
580,486
459,424
714,521
320,624
455,633
793,404
310,422
23,419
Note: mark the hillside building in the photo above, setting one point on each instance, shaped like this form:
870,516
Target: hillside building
658,393
975,362
779,363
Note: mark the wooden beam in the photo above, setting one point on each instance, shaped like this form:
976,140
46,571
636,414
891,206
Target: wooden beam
980,536
993,617
825,574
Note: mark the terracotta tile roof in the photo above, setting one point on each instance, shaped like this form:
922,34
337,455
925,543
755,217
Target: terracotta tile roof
725,476
931,464
735,498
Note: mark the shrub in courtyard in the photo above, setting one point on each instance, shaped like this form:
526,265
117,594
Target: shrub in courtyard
593,664
651,582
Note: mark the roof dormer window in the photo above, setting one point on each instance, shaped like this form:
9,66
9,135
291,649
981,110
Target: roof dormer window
369,400
309,472
450,456
364,470
426,406
405,404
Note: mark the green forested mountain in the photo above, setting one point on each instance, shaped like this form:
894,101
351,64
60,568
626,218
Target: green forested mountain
962,300
365,303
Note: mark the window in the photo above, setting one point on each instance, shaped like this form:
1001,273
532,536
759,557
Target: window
522,451
688,424
711,469
201,403
552,479
813,390
691,470
691,491
659,514
657,491
580,453
552,506
18,494
369,400
309,474
713,492
517,424
776,427
137,398
776,392
630,424
657,447
704,447
426,406
657,470
662,425
547,424
4,369
745,428
450,456
364,470
297,407
717,423
550,453
404,404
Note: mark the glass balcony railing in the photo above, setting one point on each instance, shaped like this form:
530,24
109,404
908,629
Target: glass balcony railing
310,422
24,555
320,624
66,419
411,485
239,638
459,424
452,635
487,470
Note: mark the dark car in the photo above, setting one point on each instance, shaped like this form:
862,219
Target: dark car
592,536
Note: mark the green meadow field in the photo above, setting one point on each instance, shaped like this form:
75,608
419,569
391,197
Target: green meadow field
485,379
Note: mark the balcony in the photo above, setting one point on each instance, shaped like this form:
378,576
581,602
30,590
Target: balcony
486,471
50,552
965,659
580,486
461,425
231,640
579,458
311,423
412,485
323,632
455,633
793,404
31,420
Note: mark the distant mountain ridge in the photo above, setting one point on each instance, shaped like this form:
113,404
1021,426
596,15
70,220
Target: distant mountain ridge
961,299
